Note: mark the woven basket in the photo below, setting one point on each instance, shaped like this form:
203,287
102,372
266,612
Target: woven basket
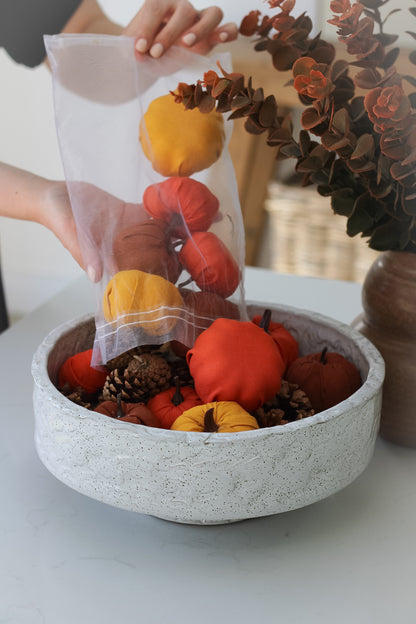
304,236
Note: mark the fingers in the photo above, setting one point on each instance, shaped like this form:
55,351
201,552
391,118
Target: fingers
223,34
162,23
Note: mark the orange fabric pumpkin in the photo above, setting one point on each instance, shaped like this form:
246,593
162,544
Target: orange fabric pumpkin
146,246
286,343
235,361
142,298
184,203
218,417
78,372
210,264
136,413
326,378
177,141
170,404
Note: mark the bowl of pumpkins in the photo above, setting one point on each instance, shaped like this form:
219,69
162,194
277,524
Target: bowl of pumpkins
261,416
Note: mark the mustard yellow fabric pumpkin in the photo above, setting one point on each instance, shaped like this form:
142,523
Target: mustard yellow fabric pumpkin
219,417
144,299
179,142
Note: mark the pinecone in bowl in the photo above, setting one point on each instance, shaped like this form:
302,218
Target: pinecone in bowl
144,376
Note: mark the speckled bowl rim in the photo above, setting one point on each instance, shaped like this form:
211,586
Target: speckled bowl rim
367,391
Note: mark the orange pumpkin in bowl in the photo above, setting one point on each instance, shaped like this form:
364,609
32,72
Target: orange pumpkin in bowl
235,361
167,406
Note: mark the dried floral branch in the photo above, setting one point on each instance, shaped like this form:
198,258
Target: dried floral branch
364,156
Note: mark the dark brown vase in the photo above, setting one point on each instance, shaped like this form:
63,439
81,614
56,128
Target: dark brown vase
389,321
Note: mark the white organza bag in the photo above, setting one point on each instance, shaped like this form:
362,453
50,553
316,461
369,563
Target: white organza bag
166,245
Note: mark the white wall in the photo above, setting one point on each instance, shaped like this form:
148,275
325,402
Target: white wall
34,263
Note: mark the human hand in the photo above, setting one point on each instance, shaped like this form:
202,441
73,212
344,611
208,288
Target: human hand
162,23
88,235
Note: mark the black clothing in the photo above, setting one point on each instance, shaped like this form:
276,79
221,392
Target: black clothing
24,22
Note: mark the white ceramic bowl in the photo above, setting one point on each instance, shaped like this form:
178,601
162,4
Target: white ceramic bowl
209,478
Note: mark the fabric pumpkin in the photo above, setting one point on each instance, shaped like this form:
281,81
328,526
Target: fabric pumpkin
136,413
326,378
77,372
205,307
148,300
210,264
208,306
180,142
170,404
235,361
285,341
184,203
218,417
147,247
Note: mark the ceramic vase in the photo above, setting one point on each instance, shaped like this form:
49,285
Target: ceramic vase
389,321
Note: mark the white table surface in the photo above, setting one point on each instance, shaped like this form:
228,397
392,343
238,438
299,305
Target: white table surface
65,558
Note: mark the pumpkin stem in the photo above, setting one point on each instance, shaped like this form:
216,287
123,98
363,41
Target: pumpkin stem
119,413
185,283
177,398
322,359
177,243
209,422
265,321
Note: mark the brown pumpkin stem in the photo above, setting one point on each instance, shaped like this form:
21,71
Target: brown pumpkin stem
119,413
265,321
177,398
185,283
322,359
209,422
177,243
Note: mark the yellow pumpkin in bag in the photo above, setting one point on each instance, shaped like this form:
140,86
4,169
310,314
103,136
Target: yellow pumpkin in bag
180,142
143,299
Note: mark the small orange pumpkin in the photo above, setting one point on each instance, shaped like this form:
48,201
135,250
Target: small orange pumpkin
235,361
326,378
136,413
170,404
210,264
144,299
184,203
285,341
218,417
77,371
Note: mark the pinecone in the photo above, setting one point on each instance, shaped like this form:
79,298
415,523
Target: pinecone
144,376
79,396
289,404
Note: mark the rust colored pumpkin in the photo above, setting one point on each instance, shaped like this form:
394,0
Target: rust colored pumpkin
326,378
216,417
146,246
184,203
285,341
235,361
136,413
208,306
170,404
144,299
77,371
210,264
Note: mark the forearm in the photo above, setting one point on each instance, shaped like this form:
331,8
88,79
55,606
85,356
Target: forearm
22,194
